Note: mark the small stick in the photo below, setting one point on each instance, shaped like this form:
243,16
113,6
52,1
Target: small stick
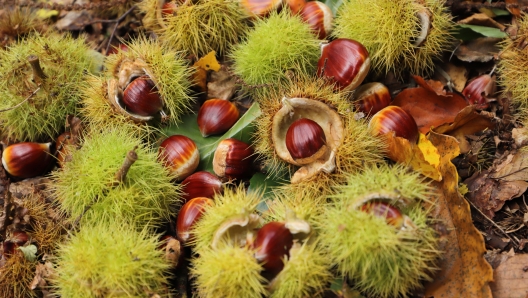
130,159
117,21
38,73
22,102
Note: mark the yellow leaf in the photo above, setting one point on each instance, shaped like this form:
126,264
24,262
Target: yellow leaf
206,63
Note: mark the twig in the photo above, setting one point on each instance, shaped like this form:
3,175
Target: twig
22,102
493,223
117,21
121,174
38,73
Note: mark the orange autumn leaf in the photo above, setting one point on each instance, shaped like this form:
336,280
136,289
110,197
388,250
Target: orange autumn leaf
202,66
422,157
463,270
429,106
467,122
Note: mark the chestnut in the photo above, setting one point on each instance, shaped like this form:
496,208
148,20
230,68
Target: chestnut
319,16
216,116
260,8
306,141
396,119
272,243
233,159
390,213
295,5
27,159
188,215
141,97
370,98
344,62
201,184
16,239
180,155
169,8
478,89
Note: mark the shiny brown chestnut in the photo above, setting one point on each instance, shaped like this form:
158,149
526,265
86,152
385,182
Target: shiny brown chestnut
478,90
180,155
216,116
319,17
344,62
188,215
384,210
396,119
295,5
201,184
260,8
16,239
169,8
370,98
272,244
306,141
141,97
233,159
27,159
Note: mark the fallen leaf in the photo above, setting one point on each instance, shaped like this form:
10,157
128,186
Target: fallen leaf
463,270
482,19
428,108
458,76
514,168
481,49
511,278
520,136
423,157
203,66
467,122
222,84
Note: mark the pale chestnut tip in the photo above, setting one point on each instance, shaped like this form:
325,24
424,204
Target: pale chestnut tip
180,155
233,159
319,17
189,214
396,119
216,116
27,159
141,97
260,8
370,98
306,141
344,62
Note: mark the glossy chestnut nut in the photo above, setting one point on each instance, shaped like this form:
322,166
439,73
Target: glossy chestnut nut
396,119
306,141
344,62
201,184
216,116
319,17
370,98
141,97
27,159
233,159
295,5
15,240
478,90
390,213
260,8
169,8
180,155
272,244
188,215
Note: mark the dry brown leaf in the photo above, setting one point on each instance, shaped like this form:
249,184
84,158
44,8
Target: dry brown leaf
457,74
222,84
511,278
467,122
481,49
482,19
515,167
520,136
463,270
428,105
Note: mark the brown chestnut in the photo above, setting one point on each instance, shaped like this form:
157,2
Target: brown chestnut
319,16
169,8
216,116
16,239
295,5
478,90
396,119
272,244
141,97
306,141
260,8
233,159
370,98
180,155
390,213
344,62
201,184
188,215
27,159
